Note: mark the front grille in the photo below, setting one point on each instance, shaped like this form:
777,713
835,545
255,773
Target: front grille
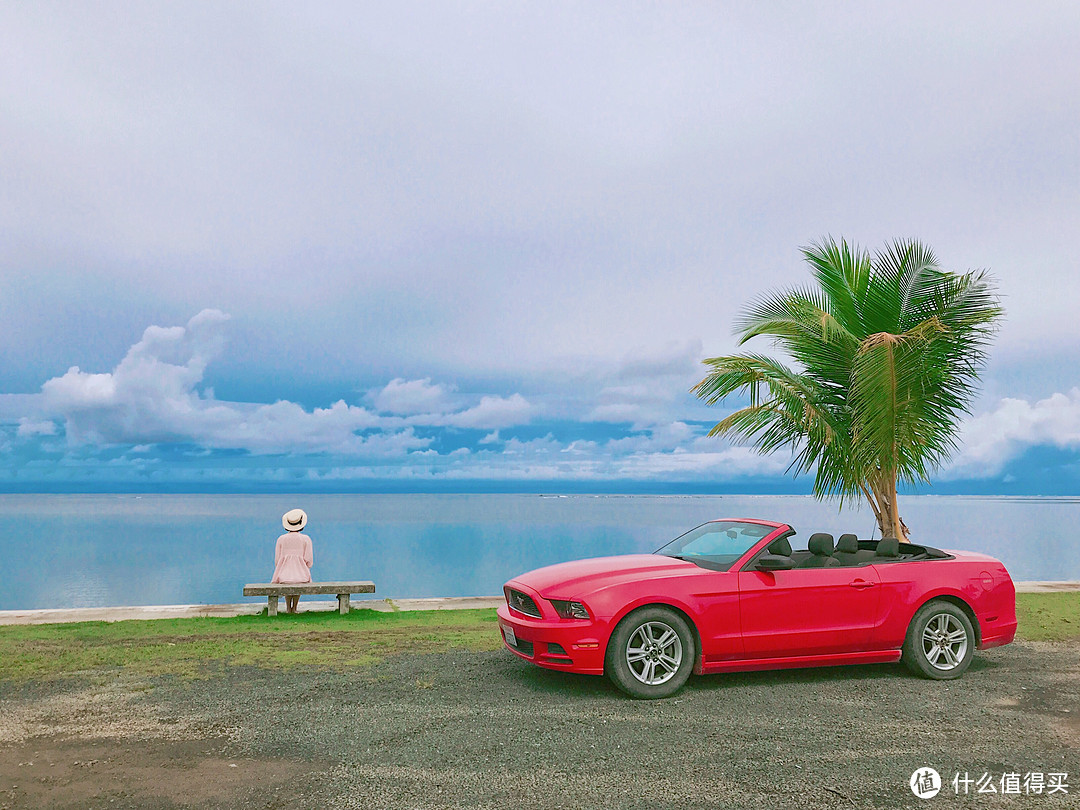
525,647
522,603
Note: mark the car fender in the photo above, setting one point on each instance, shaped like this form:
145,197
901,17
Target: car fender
665,600
897,621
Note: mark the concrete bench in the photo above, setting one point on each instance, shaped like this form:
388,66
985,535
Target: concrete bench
272,590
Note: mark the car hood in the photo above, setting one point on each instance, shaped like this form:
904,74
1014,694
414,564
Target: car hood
582,577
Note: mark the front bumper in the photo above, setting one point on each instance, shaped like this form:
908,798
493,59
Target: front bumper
565,644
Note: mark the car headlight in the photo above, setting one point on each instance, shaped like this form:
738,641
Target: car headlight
570,610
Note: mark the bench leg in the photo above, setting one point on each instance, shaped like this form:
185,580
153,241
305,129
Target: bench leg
343,603
271,606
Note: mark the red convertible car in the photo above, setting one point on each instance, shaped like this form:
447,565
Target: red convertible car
731,595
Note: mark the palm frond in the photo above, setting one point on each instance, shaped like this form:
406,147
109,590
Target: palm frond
842,271
887,351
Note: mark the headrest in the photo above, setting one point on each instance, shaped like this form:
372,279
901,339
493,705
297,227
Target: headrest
888,547
780,546
820,544
848,543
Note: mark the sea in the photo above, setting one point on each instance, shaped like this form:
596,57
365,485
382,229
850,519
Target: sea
64,551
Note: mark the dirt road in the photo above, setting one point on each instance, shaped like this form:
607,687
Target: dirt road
485,730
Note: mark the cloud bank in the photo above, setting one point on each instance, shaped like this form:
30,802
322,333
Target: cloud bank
630,421
992,439
154,395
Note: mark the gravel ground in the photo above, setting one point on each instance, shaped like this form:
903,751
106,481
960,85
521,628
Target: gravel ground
486,730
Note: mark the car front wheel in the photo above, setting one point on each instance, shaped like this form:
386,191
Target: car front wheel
940,641
651,653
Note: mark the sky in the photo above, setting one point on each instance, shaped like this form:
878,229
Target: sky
469,246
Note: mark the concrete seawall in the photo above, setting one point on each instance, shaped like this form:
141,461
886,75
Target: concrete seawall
117,614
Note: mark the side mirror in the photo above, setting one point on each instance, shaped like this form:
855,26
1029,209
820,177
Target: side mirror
774,562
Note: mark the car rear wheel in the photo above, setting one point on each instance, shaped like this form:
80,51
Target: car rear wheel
940,641
651,653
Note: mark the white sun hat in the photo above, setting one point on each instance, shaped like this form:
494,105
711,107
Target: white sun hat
294,520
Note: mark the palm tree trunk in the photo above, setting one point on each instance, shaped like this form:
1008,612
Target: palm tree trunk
898,527
884,502
885,522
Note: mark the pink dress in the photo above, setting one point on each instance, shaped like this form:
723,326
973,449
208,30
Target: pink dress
292,558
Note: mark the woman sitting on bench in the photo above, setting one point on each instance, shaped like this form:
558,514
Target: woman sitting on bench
293,555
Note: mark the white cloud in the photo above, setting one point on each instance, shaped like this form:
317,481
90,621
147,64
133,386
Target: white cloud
153,396
492,412
649,387
428,404
674,453
671,359
164,366
723,462
29,426
406,397
580,447
990,440
547,459
620,412
672,436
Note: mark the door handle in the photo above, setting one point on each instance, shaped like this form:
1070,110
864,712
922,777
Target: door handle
861,583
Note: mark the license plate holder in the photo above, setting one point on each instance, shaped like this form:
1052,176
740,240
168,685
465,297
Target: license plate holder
511,636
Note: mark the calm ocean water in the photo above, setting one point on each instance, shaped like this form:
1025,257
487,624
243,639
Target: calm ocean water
98,550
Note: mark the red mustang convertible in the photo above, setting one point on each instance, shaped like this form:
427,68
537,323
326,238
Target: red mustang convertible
731,595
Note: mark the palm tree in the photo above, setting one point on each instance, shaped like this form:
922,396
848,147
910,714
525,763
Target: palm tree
888,350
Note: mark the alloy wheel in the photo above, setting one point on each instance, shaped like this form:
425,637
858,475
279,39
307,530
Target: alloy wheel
944,641
654,653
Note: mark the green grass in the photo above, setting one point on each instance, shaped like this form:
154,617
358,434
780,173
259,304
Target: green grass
200,647
1048,616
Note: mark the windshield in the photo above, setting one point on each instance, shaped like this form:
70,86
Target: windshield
716,545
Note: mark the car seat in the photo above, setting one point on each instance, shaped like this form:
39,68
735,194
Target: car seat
847,549
821,549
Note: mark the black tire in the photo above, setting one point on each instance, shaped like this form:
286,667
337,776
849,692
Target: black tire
669,660
934,647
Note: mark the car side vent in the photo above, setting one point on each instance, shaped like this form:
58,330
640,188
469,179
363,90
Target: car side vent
522,603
